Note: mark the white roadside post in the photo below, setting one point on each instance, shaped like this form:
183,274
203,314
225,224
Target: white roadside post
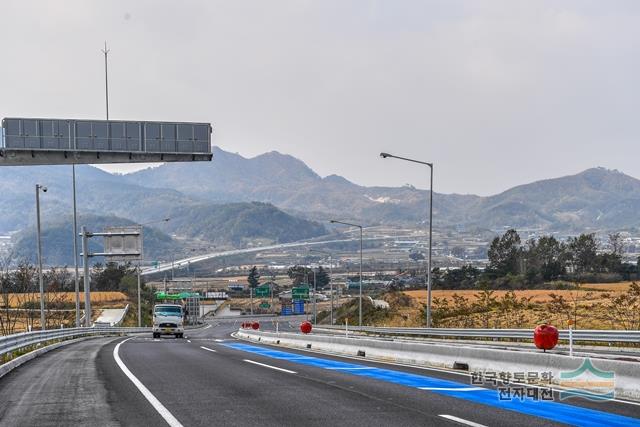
570,338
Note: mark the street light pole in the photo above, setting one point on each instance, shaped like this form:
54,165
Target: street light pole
315,298
387,155
139,299
330,279
40,279
333,221
139,307
87,278
75,247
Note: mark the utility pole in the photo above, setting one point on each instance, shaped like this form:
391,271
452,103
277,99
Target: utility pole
106,76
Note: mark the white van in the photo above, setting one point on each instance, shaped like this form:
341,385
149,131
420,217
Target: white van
168,320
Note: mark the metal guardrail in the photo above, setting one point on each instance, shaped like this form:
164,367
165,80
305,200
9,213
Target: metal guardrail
9,343
578,335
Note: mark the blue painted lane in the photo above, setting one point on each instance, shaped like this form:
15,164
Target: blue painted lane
554,411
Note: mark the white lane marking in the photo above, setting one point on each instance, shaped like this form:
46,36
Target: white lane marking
406,365
207,327
208,349
461,420
159,407
218,340
452,388
189,341
269,366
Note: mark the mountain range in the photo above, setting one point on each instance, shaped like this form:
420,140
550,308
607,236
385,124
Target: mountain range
597,198
275,197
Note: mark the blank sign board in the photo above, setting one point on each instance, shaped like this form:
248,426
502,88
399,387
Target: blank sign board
106,136
122,246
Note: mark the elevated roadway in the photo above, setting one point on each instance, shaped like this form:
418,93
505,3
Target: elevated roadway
168,266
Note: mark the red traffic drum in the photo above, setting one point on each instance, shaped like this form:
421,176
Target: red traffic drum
305,327
255,325
545,337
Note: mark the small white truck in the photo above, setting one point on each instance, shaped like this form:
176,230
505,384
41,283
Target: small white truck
168,319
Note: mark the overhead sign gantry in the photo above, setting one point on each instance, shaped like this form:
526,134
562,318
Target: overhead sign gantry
35,141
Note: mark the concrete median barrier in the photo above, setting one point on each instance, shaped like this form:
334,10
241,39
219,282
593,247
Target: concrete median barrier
477,359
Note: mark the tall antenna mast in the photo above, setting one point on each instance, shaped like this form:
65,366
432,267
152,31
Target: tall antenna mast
106,77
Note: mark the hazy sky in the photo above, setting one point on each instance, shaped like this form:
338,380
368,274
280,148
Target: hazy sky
495,93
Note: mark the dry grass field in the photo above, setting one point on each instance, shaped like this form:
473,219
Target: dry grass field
536,295
99,298
590,306
18,318
620,286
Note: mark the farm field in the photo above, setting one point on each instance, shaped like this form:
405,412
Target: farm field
18,312
99,298
592,306
536,295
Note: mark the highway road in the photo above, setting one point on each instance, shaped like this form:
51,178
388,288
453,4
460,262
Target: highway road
181,263
210,378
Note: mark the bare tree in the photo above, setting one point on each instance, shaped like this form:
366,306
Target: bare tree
8,316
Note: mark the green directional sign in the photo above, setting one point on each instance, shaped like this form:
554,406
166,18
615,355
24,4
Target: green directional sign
262,291
265,305
300,293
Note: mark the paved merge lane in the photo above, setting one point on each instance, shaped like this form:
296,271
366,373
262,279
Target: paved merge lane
211,378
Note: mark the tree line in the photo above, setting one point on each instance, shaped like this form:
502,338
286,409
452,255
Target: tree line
514,263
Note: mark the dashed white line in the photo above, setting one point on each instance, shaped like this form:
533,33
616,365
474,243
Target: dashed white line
188,341
208,349
462,420
269,366
159,407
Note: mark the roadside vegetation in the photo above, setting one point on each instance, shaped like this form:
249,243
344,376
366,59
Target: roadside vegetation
112,286
544,263
603,306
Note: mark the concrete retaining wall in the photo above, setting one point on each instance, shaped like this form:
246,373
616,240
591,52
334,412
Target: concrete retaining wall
627,374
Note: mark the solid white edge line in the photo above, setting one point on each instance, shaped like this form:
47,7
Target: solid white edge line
208,349
159,407
269,366
462,420
406,365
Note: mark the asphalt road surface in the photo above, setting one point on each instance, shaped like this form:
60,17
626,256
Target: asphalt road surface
210,378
